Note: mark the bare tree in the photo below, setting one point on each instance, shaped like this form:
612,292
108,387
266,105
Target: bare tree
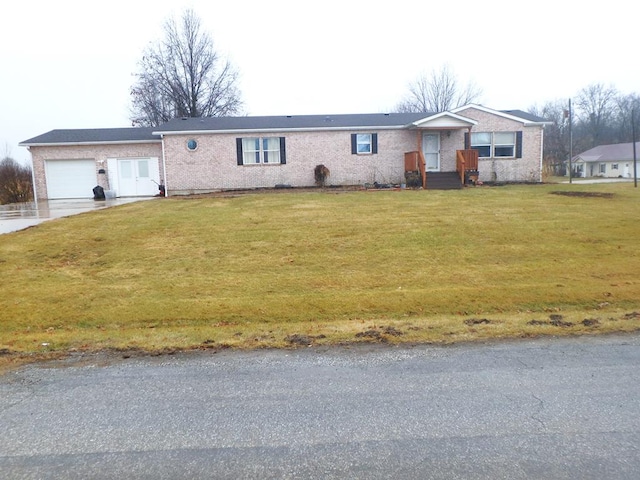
596,107
438,91
183,76
626,105
15,182
556,136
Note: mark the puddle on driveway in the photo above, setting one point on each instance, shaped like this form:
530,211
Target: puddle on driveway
18,216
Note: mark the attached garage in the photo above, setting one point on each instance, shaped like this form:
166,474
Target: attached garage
71,163
70,178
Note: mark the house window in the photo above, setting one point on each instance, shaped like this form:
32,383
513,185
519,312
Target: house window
250,151
364,143
603,168
614,166
497,144
192,145
482,143
504,144
260,150
271,150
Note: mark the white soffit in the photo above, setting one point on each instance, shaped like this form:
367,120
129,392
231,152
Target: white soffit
445,120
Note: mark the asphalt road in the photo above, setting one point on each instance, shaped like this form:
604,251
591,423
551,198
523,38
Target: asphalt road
546,408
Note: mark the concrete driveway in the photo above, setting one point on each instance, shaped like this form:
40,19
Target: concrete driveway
599,180
19,216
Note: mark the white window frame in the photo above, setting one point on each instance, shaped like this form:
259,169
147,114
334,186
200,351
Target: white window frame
483,144
503,144
257,150
493,145
269,152
603,168
364,144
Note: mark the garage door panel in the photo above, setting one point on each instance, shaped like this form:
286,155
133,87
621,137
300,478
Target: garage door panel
70,178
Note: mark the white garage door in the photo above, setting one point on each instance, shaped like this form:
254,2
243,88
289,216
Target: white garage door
71,178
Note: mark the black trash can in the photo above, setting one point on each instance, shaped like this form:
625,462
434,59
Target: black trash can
98,193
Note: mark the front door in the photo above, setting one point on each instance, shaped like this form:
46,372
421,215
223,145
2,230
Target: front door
431,151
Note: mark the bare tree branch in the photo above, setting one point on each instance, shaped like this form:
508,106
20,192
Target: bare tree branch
438,91
595,110
183,76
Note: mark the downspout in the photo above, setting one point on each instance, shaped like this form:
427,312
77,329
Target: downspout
33,180
164,168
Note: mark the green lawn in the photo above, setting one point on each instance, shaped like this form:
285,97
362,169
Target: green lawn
274,269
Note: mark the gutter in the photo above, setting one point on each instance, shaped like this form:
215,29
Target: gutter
164,168
283,130
72,144
33,180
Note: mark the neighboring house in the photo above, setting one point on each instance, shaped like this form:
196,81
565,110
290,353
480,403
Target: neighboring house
610,161
198,155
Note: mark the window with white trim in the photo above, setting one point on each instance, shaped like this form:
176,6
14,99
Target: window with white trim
481,142
497,144
260,150
364,143
614,166
504,144
603,168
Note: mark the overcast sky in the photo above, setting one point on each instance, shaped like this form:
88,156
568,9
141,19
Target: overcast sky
69,64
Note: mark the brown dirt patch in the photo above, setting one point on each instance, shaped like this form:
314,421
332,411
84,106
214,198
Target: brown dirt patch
571,193
477,321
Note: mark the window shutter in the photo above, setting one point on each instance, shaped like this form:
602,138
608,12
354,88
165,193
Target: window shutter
283,152
467,141
519,144
239,150
374,143
354,146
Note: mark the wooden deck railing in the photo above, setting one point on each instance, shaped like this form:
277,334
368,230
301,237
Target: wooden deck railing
414,162
466,160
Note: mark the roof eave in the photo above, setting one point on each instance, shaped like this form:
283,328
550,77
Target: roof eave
537,124
284,129
524,121
71,144
436,116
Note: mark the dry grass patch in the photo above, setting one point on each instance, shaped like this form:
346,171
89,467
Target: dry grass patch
275,270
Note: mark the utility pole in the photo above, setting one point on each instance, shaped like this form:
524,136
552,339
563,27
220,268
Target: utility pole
570,143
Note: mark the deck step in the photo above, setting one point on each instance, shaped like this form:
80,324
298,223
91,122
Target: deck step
443,181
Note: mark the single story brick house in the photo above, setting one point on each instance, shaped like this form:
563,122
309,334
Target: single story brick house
609,161
199,155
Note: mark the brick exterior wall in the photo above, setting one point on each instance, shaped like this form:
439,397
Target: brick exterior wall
98,153
213,165
525,169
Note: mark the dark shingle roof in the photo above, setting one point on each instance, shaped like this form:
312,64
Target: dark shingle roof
94,135
291,122
525,116
258,123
